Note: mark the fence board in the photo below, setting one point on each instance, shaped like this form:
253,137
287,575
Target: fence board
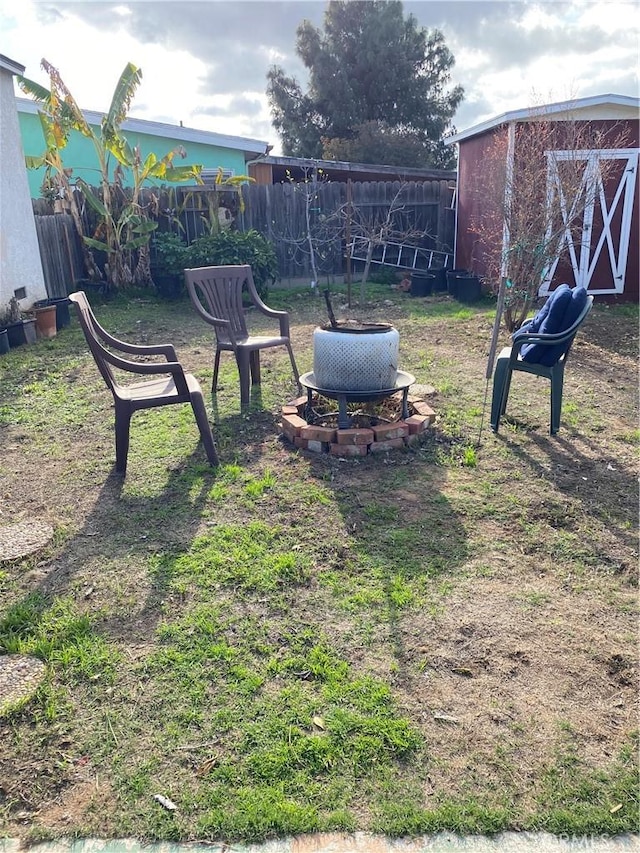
60,252
278,212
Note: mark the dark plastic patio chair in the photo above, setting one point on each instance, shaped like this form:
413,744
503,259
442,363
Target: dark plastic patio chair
177,387
216,294
511,359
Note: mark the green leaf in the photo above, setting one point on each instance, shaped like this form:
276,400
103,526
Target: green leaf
96,244
136,242
122,97
145,227
92,200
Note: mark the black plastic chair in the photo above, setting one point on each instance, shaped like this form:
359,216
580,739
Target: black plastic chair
216,294
177,387
510,360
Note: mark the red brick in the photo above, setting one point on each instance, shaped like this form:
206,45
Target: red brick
390,444
289,410
355,436
417,423
318,433
424,409
313,446
385,432
299,403
291,426
348,449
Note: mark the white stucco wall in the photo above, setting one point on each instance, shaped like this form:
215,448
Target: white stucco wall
20,264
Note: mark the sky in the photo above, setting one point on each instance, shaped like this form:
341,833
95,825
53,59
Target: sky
204,63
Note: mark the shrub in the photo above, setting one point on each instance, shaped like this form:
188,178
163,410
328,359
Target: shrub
237,247
170,256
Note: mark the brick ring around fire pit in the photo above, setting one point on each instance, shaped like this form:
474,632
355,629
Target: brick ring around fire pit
309,429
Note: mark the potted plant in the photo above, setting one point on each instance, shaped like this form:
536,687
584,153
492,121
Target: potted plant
20,330
171,260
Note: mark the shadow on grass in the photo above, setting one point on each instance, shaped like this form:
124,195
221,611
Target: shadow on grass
405,540
607,491
128,529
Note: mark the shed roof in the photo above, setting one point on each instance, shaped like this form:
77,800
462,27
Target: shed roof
595,107
338,170
251,147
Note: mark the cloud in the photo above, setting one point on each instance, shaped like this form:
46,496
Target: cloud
206,62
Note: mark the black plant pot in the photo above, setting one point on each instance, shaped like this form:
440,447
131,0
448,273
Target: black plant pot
4,342
439,280
23,332
422,284
452,276
168,286
468,288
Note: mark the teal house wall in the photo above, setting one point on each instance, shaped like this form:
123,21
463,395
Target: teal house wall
205,148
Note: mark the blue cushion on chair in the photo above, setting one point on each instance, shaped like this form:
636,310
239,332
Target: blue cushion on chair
574,309
550,320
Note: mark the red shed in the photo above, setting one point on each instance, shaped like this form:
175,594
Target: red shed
605,256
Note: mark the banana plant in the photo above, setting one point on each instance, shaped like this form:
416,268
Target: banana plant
56,122
124,229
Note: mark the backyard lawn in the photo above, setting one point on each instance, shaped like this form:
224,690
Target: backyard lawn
442,637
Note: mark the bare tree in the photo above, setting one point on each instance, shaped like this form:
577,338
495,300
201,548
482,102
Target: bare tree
316,241
536,182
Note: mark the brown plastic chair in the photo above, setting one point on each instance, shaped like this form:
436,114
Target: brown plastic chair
178,387
216,294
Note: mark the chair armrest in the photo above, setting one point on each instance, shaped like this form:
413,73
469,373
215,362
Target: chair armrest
167,350
281,316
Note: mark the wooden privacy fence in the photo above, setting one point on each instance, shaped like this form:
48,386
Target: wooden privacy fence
61,254
336,215
339,213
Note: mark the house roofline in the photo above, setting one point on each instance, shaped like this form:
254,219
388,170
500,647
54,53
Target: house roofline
11,65
175,131
546,110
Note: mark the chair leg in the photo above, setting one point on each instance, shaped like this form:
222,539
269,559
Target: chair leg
294,366
254,364
199,410
242,358
557,382
123,420
216,365
501,383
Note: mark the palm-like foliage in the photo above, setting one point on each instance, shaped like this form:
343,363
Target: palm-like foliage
124,226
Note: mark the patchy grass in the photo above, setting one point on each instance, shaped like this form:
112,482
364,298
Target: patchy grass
440,639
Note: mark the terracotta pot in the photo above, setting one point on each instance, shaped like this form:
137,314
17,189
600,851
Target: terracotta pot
63,316
46,321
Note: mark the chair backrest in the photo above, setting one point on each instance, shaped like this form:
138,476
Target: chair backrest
548,348
93,332
216,293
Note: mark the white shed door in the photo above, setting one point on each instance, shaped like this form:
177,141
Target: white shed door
599,255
